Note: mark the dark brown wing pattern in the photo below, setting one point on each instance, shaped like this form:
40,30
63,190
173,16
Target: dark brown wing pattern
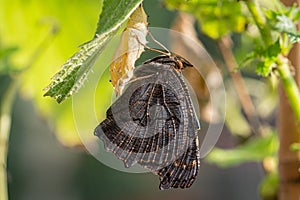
154,124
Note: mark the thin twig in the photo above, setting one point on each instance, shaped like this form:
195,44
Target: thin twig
5,124
6,109
225,47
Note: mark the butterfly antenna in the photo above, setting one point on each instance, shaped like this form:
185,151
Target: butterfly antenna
160,44
154,50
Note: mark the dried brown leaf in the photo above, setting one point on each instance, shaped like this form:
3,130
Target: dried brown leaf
130,48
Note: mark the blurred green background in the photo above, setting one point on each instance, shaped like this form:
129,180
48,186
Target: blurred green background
37,37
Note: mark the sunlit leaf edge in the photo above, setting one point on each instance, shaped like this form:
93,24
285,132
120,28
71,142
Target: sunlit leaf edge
75,71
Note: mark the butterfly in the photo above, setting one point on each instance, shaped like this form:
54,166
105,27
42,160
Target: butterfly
153,123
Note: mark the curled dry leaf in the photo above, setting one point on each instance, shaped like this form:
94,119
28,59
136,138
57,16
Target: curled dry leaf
130,48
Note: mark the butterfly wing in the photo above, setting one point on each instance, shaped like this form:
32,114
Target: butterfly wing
183,171
153,124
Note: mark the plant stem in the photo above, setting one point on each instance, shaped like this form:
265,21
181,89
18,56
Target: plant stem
260,21
225,48
6,109
288,81
290,87
5,125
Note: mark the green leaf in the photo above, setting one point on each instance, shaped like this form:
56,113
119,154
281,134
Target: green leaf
269,186
247,59
293,12
273,50
294,37
114,14
268,58
285,24
295,147
285,20
264,68
33,22
253,150
5,54
75,71
215,17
